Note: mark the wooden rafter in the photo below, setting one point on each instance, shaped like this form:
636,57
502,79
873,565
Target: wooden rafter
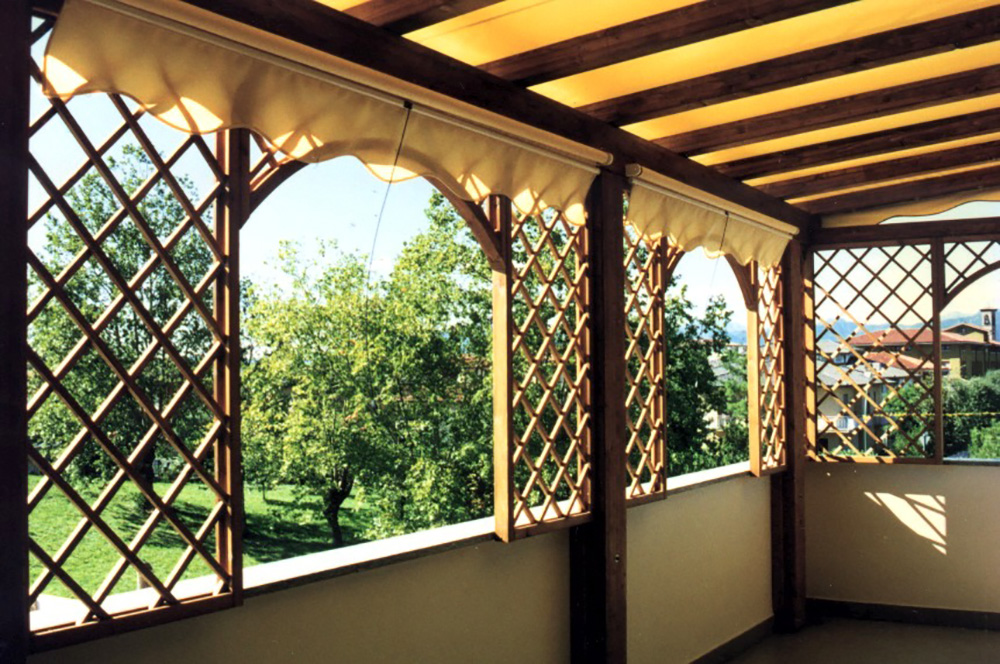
402,16
868,52
986,178
866,145
852,108
660,32
885,170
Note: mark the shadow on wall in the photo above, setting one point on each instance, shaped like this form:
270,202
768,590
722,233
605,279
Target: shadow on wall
924,515
923,536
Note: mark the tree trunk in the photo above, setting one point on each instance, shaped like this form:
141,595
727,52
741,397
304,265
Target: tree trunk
332,513
341,484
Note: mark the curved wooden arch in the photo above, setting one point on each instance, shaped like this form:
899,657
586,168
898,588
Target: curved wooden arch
744,276
273,174
264,184
953,292
747,280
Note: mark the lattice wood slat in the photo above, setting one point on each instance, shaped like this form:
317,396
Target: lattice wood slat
965,262
875,340
646,274
768,451
548,295
164,374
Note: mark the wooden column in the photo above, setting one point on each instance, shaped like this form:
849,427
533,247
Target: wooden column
233,153
14,57
788,488
938,296
597,549
503,390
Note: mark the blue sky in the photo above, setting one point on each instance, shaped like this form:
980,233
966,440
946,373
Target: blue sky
339,200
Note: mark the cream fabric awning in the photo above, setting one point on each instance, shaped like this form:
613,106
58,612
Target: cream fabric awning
923,208
200,73
661,206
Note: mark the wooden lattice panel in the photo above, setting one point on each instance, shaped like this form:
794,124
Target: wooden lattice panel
965,262
124,342
768,451
646,274
550,434
875,337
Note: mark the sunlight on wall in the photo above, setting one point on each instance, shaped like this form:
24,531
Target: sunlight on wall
923,514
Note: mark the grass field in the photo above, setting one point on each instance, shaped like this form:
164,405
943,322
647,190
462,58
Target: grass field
281,527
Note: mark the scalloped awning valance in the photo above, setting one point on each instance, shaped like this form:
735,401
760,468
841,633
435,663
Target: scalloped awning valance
661,206
201,73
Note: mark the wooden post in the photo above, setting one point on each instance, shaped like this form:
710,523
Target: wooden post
938,297
15,29
757,461
597,549
500,218
788,488
233,152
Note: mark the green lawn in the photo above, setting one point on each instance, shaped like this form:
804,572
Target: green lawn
282,527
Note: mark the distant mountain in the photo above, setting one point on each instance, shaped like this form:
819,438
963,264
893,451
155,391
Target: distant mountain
737,333
846,328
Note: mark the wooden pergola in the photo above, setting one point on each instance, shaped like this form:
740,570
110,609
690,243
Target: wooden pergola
829,116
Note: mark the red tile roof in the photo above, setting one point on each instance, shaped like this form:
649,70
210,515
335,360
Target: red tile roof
899,360
897,337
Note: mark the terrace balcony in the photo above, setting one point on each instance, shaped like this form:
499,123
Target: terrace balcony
801,142
900,566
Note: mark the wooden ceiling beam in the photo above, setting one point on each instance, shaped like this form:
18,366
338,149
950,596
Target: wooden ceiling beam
402,16
327,30
914,41
661,32
918,190
981,228
884,170
866,145
853,108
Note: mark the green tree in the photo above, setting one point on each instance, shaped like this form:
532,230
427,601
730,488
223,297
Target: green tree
693,391
969,405
733,444
986,442
379,388
305,419
53,333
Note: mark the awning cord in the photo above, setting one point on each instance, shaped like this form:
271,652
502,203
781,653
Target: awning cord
371,258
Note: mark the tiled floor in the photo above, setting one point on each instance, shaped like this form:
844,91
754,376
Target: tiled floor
871,642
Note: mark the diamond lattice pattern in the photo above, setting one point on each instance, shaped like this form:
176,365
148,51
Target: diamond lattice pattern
549,295
645,396
771,367
874,352
124,419
964,262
